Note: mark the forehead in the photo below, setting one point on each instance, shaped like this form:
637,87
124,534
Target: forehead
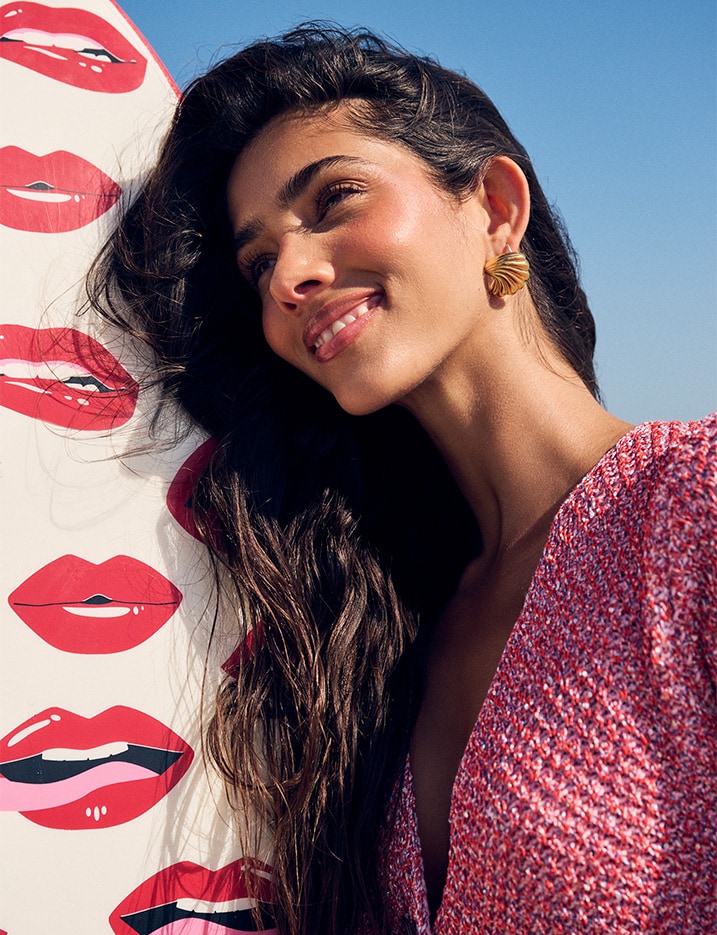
290,142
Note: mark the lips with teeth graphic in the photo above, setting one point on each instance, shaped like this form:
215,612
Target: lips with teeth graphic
52,194
70,45
79,607
61,770
188,898
64,377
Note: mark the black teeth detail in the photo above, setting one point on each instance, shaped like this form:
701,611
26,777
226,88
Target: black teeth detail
36,770
150,920
98,599
101,53
82,382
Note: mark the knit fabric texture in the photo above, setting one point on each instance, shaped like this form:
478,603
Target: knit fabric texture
586,799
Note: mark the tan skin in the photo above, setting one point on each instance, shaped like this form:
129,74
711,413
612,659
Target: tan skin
371,232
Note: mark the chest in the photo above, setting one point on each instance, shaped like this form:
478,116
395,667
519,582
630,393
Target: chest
465,652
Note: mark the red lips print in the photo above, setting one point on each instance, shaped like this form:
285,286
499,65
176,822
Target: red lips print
52,194
189,898
61,770
179,495
80,607
74,46
65,377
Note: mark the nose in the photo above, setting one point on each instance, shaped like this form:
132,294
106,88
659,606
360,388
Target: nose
301,270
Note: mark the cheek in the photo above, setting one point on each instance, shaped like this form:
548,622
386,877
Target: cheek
275,332
284,338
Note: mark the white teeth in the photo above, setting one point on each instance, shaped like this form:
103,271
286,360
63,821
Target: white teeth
45,196
58,40
100,613
339,325
207,908
97,753
44,370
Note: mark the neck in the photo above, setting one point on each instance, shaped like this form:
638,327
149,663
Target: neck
517,438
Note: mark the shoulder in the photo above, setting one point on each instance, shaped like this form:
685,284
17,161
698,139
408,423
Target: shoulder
679,554
683,488
665,471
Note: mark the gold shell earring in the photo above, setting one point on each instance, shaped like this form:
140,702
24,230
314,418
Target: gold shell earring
509,272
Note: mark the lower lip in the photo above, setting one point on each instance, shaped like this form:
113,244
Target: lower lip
190,881
345,338
111,793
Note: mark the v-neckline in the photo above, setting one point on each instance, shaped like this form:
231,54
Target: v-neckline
517,635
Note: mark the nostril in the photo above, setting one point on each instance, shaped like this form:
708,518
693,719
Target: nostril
306,286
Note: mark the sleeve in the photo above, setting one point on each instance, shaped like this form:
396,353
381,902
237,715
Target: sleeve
683,558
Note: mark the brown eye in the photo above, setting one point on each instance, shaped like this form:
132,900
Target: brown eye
253,267
332,195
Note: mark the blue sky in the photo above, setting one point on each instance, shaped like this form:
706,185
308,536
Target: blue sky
617,104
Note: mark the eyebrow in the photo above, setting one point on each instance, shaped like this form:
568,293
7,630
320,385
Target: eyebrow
292,189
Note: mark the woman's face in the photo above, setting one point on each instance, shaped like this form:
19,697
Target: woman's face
370,276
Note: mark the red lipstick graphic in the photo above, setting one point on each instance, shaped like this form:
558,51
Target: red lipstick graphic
65,377
188,898
179,495
70,45
80,607
51,194
61,770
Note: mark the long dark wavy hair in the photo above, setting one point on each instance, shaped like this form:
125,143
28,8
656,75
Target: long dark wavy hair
340,538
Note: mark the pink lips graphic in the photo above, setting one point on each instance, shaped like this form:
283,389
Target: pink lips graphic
80,607
65,377
70,45
61,770
187,898
52,194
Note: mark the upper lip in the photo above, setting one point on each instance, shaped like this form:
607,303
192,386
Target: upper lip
79,607
44,42
72,380
52,194
317,321
156,902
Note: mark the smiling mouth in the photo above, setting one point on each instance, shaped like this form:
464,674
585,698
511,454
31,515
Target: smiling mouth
344,319
328,333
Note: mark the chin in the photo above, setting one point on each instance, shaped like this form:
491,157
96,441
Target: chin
358,409
356,404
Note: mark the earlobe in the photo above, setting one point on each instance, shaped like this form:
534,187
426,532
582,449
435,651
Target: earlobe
507,201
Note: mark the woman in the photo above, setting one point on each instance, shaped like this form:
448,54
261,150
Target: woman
499,677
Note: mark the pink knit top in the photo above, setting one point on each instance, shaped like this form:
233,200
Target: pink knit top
586,799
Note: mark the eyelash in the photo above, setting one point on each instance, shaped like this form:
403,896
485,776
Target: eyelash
251,266
252,262
331,191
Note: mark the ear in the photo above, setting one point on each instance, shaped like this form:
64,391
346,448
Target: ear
506,198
